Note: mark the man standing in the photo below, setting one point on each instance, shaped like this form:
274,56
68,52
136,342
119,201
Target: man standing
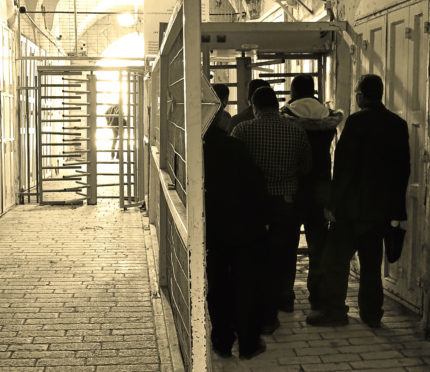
368,193
112,119
314,187
248,113
281,149
223,93
235,242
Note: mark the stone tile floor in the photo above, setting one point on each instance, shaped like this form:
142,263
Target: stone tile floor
397,346
75,293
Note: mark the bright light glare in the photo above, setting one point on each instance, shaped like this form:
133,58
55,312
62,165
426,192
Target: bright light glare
126,19
131,46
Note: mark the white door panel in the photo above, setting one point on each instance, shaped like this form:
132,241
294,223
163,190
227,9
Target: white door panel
406,95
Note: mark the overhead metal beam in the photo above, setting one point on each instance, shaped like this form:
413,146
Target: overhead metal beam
286,10
305,6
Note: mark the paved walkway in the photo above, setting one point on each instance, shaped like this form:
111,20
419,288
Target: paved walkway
75,293
295,346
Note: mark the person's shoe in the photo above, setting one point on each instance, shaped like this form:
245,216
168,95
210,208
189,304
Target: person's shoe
269,328
222,353
315,306
287,307
322,319
222,345
372,323
261,348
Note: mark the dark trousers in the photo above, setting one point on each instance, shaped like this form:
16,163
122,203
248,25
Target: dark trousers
344,239
282,257
316,231
114,142
235,295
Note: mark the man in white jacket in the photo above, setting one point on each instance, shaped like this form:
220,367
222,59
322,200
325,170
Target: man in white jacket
313,190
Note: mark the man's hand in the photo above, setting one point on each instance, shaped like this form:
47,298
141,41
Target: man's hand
395,223
329,216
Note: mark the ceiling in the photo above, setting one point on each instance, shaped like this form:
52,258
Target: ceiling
51,23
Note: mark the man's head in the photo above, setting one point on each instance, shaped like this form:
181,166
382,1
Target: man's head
302,86
264,100
369,90
254,85
222,92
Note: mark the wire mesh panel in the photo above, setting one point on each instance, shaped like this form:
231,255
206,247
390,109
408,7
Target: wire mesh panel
176,158
155,107
179,287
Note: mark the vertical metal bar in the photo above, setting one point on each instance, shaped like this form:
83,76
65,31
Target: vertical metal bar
39,141
36,138
320,79
1,152
244,75
92,143
136,141
143,166
128,138
121,144
19,30
206,62
194,171
19,104
28,147
76,27
164,87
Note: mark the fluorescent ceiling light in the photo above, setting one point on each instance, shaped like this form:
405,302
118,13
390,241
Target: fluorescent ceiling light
126,19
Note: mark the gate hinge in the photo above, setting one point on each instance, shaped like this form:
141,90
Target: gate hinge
427,27
408,32
420,282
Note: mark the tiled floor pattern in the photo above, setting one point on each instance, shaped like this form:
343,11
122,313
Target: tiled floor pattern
397,346
75,292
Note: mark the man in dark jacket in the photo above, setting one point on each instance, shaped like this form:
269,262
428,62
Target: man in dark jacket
248,113
236,217
314,187
368,193
281,149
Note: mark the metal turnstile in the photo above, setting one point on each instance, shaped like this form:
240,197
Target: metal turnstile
73,159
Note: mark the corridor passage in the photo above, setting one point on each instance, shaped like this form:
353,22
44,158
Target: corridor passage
297,347
75,291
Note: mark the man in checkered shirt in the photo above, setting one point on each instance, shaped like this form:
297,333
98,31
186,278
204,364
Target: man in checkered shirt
280,147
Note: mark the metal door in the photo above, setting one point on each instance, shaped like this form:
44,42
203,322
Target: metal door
7,130
406,95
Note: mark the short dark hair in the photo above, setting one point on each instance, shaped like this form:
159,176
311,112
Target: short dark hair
221,91
371,86
254,85
265,98
303,86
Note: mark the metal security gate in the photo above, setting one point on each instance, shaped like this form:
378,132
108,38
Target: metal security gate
89,134
278,69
